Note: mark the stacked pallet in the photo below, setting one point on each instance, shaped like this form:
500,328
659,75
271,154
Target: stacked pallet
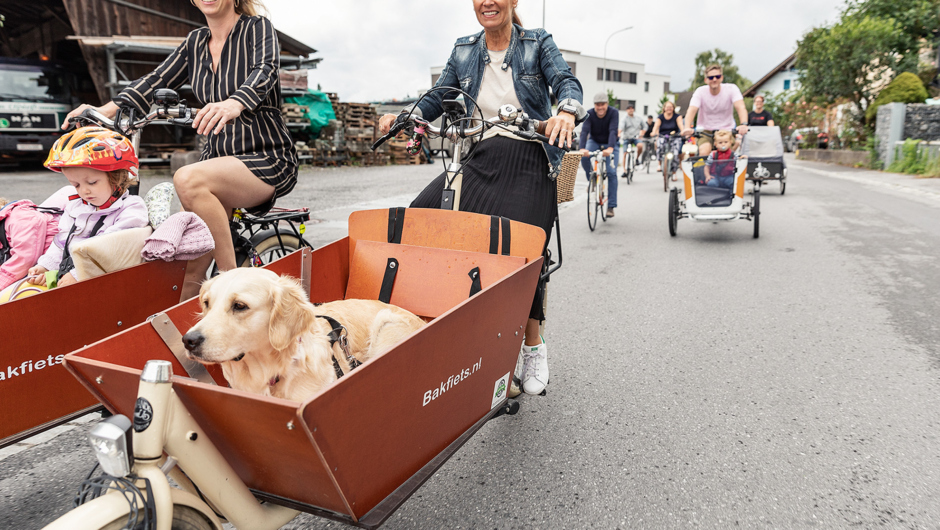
295,115
399,156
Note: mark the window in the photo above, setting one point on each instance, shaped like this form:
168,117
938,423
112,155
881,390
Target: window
600,74
631,77
574,68
434,78
666,87
786,84
646,110
646,86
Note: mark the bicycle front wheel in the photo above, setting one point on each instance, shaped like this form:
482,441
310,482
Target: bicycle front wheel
275,247
592,201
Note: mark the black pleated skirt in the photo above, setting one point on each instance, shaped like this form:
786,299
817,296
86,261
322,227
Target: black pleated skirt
508,178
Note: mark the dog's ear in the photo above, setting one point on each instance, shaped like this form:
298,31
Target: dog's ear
292,314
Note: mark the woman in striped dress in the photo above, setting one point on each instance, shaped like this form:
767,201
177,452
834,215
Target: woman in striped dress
249,159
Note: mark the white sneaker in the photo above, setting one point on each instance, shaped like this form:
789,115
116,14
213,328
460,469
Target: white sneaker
515,388
535,371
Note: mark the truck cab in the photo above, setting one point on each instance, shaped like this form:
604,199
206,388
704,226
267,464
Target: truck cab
35,97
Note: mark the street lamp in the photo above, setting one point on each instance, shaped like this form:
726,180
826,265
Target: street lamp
605,53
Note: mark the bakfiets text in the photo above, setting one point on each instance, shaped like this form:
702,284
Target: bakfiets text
28,366
451,382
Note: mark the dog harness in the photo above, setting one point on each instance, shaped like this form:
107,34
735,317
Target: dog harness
340,335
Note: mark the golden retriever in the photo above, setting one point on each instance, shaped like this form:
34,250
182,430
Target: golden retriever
268,338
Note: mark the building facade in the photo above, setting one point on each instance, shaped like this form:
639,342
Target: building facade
783,78
630,83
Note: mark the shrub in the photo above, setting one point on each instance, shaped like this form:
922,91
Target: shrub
905,88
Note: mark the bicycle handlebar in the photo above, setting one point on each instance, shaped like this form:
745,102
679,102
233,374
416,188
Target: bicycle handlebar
178,114
529,129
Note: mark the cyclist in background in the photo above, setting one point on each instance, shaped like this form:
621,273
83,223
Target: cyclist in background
718,102
599,131
666,123
760,116
631,127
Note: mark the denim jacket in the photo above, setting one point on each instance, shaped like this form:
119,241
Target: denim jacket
536,65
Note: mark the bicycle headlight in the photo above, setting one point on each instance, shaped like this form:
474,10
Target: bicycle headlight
111,440
669,156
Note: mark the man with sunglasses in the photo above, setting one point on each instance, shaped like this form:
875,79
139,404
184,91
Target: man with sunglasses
718,102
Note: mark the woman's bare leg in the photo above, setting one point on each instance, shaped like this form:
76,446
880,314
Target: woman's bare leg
211,189
532,333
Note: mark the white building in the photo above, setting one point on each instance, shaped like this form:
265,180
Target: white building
783,78
630,82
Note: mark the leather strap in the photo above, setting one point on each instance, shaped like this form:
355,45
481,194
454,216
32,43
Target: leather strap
494,234
475,285
506,236
388,282
338,334
396,224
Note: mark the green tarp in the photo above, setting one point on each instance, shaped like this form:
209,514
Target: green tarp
320,111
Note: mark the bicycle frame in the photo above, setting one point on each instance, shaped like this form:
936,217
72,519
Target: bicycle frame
172,429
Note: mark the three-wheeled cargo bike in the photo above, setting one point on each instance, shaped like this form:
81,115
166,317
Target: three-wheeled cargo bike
355,451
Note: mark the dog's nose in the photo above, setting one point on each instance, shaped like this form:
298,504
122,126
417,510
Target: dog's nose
192,340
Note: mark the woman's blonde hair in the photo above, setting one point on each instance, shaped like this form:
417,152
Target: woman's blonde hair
669,103
252,8
724,134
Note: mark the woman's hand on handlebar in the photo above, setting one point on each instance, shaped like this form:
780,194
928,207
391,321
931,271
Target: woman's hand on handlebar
560,126
385,123
109,109
214,116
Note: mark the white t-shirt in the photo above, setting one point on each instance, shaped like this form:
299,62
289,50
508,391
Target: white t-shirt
716,112
496,90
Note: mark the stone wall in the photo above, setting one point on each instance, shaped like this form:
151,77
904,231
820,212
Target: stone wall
835,156
922,122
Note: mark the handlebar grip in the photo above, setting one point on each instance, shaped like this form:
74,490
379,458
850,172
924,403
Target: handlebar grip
392,132
541,126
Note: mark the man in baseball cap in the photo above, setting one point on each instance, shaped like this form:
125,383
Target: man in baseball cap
599,131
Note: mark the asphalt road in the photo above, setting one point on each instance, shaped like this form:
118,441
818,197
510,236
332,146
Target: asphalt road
708,380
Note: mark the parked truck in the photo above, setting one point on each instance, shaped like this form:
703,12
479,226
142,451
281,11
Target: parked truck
35,97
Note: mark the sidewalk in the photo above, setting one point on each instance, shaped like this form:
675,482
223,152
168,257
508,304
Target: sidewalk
923,188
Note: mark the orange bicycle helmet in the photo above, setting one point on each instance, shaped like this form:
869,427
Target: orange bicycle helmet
95,148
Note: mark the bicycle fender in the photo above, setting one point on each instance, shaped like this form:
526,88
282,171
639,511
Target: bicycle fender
272,232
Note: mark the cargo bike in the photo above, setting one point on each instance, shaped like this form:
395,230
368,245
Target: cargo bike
37,393
716,196
763,147
358,449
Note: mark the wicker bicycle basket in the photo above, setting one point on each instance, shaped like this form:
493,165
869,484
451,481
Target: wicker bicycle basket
568,176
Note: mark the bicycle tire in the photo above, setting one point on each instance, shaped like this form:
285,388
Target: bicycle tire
243,258
592,201
602,197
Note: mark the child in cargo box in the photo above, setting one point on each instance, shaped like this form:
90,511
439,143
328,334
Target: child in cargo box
97,163
720,165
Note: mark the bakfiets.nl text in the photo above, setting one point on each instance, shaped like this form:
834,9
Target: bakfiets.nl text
30,366
451,382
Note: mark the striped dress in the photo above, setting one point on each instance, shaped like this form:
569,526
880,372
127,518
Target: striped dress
247,72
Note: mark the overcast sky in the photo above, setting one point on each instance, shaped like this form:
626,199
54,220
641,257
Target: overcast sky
383,49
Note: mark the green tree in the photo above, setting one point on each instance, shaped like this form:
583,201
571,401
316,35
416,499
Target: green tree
728,69
611,100
916,20
848,60
905,88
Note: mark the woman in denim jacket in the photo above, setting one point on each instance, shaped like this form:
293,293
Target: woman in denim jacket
506,175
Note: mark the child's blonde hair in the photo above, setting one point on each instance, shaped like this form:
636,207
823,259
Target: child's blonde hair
120,180
3,202
724,134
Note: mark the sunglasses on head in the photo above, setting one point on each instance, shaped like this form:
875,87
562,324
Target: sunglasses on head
713,77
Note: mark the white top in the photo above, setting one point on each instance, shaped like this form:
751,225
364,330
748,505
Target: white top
716,112
496,90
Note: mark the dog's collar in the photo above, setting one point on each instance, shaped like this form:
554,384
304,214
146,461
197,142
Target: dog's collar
340,335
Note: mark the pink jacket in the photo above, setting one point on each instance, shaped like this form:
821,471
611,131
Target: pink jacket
127,212
29,234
